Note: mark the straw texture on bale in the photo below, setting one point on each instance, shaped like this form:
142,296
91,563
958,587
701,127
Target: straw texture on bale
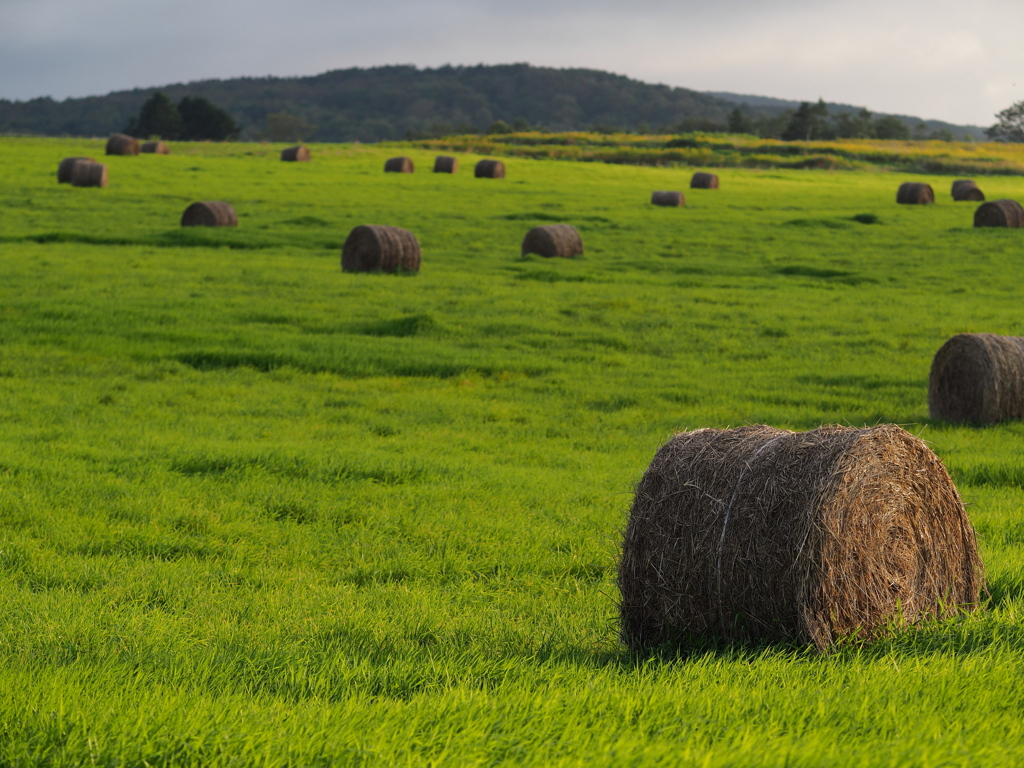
211,213
668,198
372,248
489,169
446,164
915,193
155,148
701,180
999,213
760,534
399,165
977,378
85,174
966,189
299,154
121,144
67,166
551,240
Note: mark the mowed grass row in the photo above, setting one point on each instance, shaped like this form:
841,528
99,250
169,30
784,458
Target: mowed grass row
254,510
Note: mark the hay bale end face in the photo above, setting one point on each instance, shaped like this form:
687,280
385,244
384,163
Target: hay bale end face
668,198
966,189
701,180
915,193
399,165
489,169
446,164
977,378
211,213
370,248
67,166
155,148
298,154
760,534
122,144
553,240
1000,213
88,174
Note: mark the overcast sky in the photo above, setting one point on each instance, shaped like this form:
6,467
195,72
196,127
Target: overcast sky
955,60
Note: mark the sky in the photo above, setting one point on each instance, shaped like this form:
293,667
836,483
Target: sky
949,60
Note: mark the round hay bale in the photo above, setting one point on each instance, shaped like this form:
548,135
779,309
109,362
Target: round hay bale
155,148
370,248
299,154
703,180
668,198
67,165
761,534
999,213
88,174
211,213
977,378
489,169
122,144
446,164
966,189
553,240
399,165
915,193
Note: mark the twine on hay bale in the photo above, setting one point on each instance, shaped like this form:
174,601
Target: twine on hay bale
370,248
489,169
446,164
701,180
977,378
761,534
67,166
211,213
915,193
668,198
122,144
155,148
966,189
299,154
399,165
88,175
553,240
999,213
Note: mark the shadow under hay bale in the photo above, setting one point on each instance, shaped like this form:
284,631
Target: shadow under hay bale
370,248
299,154
122,144
999,213
399,165
88,174
668,198
155,148
66,167
211,213
553,240
977,378
701,180
760,534
489,169
915,193
966,189
446,164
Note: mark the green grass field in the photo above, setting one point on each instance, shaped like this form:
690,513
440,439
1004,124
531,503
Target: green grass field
255,511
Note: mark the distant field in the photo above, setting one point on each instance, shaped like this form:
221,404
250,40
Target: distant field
255,511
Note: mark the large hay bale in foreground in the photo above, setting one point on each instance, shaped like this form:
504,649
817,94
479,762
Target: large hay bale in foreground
155,148
977,378
915,193
211,213
399,165
299,154
668,198
761,534
66,167
370,248
88,175
966,189
553,240
701,180
122,144
999,213
489,169
446,164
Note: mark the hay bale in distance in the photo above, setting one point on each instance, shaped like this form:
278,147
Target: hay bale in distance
371,248
915,193
668,198
122,144
701,180
489,169
299,154
88,174
966,189
399,165
553,240
155,148
446,164
761,534
999,213
977,378
211,213
67,165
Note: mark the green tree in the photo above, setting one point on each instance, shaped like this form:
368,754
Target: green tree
855,125
202,121
739,122
809,122
1010,125
284,126
158,118
889,127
